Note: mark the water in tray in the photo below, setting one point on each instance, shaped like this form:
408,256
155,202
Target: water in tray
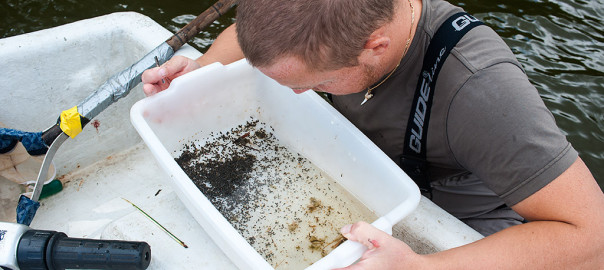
282,204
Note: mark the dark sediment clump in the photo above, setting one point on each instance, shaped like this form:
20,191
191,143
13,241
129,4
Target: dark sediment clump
221,177
221,168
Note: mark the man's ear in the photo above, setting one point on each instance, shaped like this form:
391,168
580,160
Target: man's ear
374,49
377,44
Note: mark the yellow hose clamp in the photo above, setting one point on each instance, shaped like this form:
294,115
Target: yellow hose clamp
71,122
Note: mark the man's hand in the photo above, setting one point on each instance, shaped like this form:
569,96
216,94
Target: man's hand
225,50
384,251
158,79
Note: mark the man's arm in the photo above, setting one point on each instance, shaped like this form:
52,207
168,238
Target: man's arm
565,232
224,49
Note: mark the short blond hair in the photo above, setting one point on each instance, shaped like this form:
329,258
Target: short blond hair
324,34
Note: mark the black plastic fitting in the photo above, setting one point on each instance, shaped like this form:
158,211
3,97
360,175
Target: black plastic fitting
50,250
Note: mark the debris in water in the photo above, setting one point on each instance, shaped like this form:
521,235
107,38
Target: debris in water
293,226
263,189
336,243
314,204
316,243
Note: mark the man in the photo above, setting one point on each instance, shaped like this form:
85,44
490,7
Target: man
496,157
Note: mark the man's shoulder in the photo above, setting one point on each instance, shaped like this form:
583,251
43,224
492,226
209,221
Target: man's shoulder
480,48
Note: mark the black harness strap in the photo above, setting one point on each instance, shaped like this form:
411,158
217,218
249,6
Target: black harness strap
413,161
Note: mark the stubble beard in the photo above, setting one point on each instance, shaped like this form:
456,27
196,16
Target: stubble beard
370,76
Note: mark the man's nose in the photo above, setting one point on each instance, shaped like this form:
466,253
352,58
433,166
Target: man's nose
300,90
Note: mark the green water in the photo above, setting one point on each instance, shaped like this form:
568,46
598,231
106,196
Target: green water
560,44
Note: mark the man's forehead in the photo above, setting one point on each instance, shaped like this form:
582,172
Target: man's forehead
285,68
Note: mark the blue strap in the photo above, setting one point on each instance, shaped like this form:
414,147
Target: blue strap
32,141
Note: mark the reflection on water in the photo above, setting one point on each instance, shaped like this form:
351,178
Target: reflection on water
560,43
23,16
561,46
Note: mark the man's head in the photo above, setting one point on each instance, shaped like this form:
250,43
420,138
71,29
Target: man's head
322,34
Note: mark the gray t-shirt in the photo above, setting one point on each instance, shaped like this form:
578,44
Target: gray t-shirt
491,140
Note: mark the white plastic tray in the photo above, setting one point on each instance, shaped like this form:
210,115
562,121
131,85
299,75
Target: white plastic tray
217,97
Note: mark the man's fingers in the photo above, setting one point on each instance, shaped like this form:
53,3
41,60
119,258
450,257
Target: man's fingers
177,66
158,79
152,81
151,89
169,70
366,234
151,76
384,251
173,67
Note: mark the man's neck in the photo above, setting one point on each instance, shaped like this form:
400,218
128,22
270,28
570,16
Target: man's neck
401,29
